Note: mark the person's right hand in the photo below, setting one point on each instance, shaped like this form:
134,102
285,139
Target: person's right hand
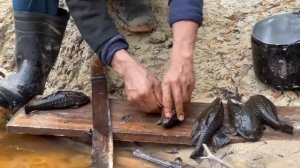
142,88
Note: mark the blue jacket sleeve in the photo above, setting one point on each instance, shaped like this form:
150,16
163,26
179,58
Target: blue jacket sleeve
96,27
191,10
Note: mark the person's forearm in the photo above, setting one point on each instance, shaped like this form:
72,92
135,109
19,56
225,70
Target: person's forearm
185,10
185,17
96,27
184,39
122,61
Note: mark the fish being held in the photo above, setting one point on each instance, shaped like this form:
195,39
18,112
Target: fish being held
209,125
244,121
266,111
59,100
169,122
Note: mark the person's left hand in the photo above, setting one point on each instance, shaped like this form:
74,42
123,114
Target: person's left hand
179,81
177,87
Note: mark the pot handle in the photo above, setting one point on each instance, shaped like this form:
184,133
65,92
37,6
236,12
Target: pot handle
297,13
287,47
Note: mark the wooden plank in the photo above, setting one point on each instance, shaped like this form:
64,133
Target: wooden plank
139,127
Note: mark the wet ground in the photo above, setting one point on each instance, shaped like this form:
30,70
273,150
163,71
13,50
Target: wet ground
29,151
25,151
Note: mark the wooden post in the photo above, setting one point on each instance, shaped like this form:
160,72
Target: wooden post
102,141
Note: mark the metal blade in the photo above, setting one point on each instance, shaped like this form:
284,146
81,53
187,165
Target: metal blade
102,140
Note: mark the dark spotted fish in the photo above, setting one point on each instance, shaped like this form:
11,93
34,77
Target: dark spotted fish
59,100
168,122
266,111
244,121
209,125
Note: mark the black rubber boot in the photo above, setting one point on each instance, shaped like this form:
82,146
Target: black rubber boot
134,15
38,40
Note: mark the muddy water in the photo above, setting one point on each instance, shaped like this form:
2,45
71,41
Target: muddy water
28,151
23,151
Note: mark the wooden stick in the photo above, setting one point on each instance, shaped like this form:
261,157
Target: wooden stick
210,156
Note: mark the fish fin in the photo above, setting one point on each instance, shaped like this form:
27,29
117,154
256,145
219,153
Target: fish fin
286,128
221,137
58,92
50,96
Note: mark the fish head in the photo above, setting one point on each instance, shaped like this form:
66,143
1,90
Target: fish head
213,113
249,127
263,107
169,122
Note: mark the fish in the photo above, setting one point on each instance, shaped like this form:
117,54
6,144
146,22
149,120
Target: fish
209,125
58,100
166,122
266,111
244,121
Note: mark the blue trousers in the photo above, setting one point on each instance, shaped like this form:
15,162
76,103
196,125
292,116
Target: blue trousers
40,6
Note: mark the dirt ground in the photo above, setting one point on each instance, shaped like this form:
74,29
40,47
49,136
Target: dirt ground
223,61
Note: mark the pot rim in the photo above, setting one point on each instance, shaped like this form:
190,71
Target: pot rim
267,18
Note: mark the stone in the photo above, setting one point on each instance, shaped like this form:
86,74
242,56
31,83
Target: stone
157,37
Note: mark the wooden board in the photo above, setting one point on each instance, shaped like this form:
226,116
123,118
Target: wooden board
131,125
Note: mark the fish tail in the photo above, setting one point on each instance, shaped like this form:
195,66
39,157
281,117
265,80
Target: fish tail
286,128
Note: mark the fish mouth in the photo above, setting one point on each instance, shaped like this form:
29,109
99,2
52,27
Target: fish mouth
250,136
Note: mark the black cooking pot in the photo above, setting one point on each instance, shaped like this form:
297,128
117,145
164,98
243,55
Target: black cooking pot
275,45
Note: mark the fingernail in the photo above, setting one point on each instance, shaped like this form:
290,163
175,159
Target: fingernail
181,117
168,115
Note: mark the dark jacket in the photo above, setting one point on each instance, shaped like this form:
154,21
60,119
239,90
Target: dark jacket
97,28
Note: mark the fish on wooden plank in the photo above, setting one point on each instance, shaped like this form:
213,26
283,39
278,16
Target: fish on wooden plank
58,100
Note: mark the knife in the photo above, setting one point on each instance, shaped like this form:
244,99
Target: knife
102,138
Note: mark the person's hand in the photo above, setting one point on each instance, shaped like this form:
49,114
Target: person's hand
177,86
179,81
141,86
